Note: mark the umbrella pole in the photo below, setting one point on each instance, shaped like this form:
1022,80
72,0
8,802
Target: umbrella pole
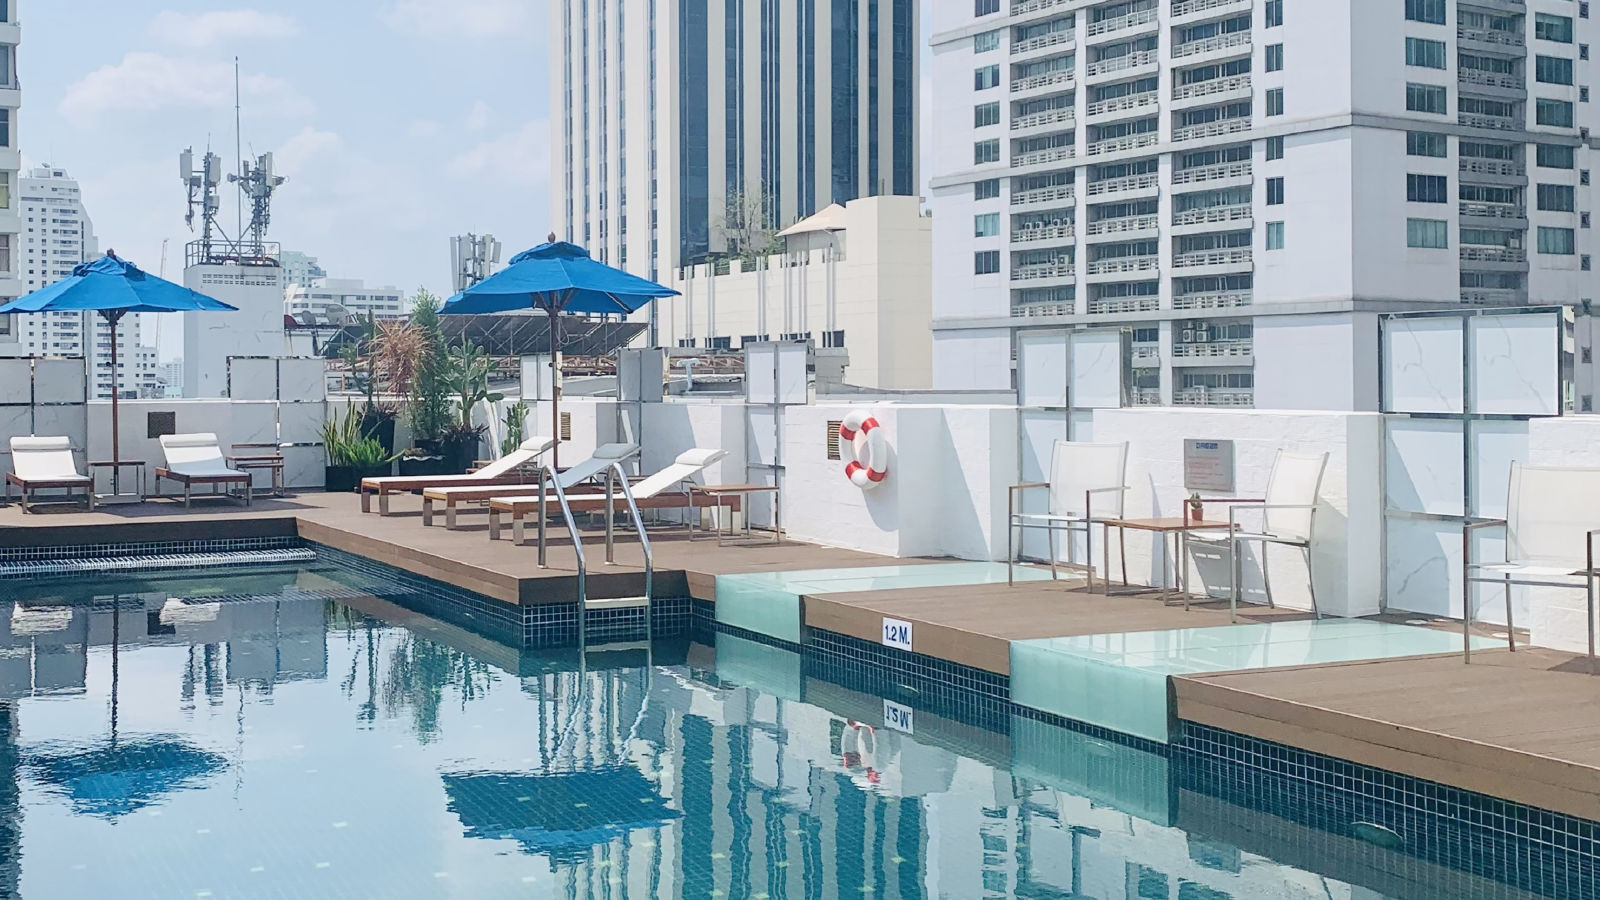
555,381
116,439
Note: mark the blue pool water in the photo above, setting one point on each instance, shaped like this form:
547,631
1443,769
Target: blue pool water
293,733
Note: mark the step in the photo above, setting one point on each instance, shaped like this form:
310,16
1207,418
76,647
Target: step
617,603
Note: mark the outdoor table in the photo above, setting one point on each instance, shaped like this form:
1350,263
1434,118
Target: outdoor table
743,491
116,466
1178,529
270,461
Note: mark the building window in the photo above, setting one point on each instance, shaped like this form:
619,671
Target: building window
986,262
1274,191
5,253
1556,113
1274,235
985,7
983,43
1554,156
1274,57
1429,234
1557,197
1275,102
985,114
986,77
5,190
1430,11
1427,188
987,189
1274,13
986,151
1552,69
1425,53
1426,143
986,225
1547,27
1583,262
1425,98
1274,148
1558,241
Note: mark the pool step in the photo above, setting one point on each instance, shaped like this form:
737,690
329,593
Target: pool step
616,603
146,562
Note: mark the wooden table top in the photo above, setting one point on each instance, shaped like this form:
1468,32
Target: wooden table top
736,488
1168,524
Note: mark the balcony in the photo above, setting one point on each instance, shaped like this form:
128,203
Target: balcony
1230,41
1123,305
1057,268
1038,233
1232,257
1122,23
1145,182
1041,157
1059,193
1471,253
1146,355
1213,300
1124,225
1492,79
1125,264
1484,120
1210,129
1141,396
1217,172
1123,144
1033,310
1212,214
1227,349
1493,210
1062,117
1043,41
1508,168
1131,103
1043,80
1214,397
1024,7
1184,8
1494,296
1491,36
1122,63
1210,88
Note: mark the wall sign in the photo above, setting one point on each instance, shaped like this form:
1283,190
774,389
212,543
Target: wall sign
1208,466
897,717
896,634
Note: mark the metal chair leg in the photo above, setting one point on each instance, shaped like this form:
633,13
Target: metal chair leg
1511,633
1266,578
1311,586
1051,532
1233,576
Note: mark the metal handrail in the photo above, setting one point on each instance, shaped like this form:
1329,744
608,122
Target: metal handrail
577,549
616,475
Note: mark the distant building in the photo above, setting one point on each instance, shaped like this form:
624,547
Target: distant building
857,277
327,296
10,164
169,377
298,268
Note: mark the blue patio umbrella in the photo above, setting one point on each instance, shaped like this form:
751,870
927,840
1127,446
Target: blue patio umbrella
114,287
557,277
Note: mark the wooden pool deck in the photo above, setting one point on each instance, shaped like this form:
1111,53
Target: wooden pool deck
1522,726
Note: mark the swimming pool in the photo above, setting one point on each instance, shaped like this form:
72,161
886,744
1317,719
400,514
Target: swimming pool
292,732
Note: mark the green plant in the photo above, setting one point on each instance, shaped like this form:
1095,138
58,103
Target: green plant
430,389
469,379
359,357
338,434
515,414
366,454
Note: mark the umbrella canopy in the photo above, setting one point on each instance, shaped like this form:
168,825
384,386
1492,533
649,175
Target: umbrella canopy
114,287
557,277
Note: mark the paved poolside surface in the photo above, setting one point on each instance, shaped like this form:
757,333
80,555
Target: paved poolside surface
1524,726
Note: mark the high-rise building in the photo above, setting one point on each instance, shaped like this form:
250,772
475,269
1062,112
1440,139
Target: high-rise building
57,235
688,126
299,268
1242,186
344,297
11,286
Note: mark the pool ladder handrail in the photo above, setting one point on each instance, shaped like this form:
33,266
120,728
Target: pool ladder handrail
615,478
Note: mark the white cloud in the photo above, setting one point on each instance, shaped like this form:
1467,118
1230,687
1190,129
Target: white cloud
309,143
206,29
462,18
521,157
424,128
478,116
150,82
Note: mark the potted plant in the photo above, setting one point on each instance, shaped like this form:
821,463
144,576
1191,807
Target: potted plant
468,377
428,402
351,456
516,415
362,359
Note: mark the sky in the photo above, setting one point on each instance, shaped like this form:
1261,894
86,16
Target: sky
398,122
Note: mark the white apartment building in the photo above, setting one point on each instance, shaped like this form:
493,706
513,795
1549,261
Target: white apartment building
856,276
11,286
344,296
300,268
670,108
1240,187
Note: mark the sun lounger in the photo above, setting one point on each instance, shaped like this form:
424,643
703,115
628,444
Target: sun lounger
451,496
45,463
504,470
197,459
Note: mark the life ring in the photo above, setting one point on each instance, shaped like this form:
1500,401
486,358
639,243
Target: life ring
869,450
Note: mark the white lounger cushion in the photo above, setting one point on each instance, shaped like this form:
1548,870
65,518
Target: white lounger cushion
604,457
688,464
196,455
526,452
44,459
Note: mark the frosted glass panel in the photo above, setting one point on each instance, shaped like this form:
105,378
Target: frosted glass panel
71,422
1096,370
1423,466
760,376
252,379
1515,365
1422,365
59,380
536,377
761,444
1495,446
301,423
1040,431
302,380
1423,566
1042,368
792,386
16,381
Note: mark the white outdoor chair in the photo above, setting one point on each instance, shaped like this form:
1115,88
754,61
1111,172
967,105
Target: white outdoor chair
1547,507
1088,484
198,459
1288,518
45,463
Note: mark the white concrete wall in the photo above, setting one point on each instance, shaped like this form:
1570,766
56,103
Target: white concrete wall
233,421
210,339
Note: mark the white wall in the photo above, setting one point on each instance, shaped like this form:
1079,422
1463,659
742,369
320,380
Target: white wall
256,329
233,421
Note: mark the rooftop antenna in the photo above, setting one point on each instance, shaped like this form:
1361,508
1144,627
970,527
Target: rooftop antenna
238,152
255,182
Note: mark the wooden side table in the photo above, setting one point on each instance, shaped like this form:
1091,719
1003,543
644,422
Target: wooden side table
116,468
1178,529
744,492
249,462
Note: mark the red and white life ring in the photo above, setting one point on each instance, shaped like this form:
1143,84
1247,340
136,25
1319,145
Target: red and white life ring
869,450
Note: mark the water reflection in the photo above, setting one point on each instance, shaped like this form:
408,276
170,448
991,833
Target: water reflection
377,753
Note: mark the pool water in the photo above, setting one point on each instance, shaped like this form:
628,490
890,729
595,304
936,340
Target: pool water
293,733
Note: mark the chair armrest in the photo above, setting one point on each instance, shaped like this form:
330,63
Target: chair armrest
1028,486
1475,524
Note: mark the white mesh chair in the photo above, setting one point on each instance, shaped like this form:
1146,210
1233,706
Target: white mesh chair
1547,509
1087,486
45,463
1288,518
